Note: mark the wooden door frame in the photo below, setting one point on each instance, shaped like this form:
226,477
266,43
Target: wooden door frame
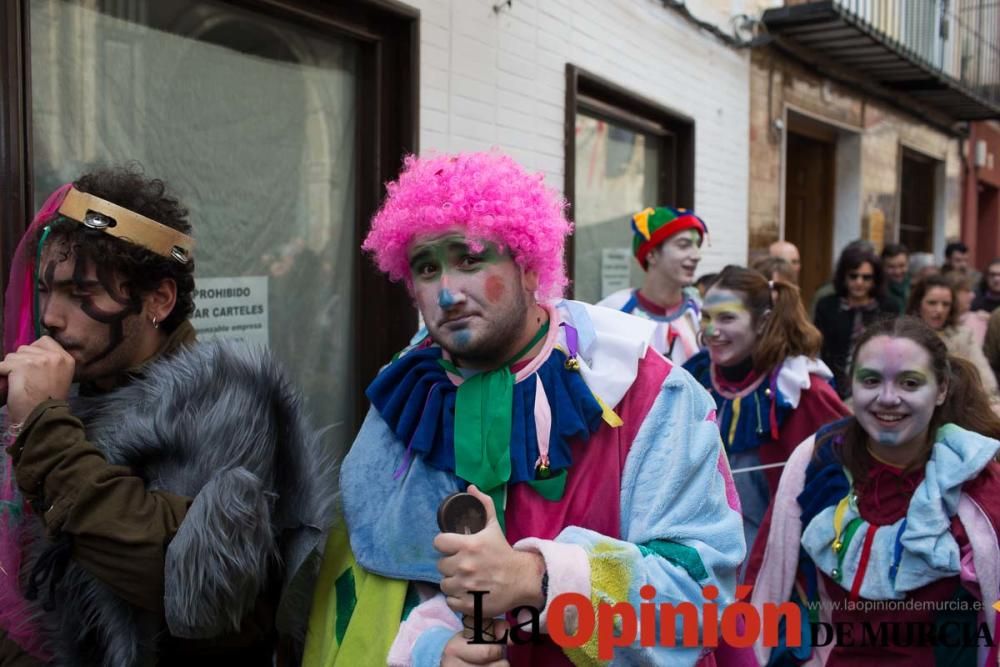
829,186
788,111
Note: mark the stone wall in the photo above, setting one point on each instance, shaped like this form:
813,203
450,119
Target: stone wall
778,83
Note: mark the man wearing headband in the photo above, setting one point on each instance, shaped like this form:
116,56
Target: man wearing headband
157,495
541,408
667,244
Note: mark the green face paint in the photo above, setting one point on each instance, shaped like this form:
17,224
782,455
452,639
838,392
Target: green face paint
895,392
471,295
450,252
728,326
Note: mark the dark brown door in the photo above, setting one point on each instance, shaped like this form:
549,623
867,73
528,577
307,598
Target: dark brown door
916,202
809,208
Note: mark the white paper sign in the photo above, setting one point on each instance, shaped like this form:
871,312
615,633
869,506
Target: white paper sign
231,308
615,264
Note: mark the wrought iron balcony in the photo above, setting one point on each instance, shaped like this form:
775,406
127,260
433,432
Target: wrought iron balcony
945,54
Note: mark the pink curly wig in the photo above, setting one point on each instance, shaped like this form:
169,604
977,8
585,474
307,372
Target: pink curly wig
488,194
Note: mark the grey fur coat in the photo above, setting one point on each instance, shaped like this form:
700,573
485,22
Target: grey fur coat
221,424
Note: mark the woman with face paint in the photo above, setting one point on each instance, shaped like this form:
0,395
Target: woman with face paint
761,368
936,301
857,303
887,521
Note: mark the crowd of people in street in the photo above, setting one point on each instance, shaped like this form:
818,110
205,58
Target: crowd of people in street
708,440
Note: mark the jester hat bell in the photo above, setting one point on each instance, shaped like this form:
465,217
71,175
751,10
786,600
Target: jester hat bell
653,226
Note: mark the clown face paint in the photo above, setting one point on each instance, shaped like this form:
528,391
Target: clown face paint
728,327
676,260
935,307
474,302
86,310
895,393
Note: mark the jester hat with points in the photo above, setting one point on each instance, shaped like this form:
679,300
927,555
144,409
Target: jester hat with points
653,226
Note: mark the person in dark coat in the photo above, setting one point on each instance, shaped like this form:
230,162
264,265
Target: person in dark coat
857,302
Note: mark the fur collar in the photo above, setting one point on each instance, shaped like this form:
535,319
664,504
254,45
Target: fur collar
219,423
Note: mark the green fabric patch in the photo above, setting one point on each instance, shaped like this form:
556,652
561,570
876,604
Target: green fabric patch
551,488
411,600
484,408
678,554
848,535
483,414
346,599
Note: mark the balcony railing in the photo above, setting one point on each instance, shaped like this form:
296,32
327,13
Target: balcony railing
959,38
944,53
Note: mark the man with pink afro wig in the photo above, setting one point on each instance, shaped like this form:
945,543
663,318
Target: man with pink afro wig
489,195
541,410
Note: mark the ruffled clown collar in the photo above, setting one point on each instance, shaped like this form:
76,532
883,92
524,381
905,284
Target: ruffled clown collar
752,412
885,562
507,426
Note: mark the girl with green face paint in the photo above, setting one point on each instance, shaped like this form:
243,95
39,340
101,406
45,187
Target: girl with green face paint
760,367
893,503
909,386
727,327
895,395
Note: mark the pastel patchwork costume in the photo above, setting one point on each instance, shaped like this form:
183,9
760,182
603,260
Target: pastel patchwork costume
676,333
763,418
923,544
602,454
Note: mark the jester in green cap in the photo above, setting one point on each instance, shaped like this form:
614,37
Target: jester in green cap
667,244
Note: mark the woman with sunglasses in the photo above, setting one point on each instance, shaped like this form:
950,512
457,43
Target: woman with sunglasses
886,522
857,303
760,365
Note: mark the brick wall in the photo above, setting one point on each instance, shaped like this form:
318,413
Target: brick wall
498,79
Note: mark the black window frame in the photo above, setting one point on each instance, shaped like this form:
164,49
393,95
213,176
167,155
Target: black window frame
596,96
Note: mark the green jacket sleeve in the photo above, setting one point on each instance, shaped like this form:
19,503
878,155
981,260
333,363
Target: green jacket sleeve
120,529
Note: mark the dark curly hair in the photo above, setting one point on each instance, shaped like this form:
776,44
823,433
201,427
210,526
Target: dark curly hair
851,258
141,270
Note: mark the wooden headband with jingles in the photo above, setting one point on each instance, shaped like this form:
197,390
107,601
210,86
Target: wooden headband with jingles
96,213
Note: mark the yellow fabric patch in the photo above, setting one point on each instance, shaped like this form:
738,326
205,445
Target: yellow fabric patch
610,577
838,520
374,620
610,417
735,420
641,220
